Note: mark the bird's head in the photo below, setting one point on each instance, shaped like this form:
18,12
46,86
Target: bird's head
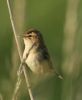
32,36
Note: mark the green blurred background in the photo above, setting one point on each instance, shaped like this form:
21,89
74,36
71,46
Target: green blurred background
60,22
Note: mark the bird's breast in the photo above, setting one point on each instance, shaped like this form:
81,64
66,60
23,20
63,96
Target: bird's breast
37,66
33,63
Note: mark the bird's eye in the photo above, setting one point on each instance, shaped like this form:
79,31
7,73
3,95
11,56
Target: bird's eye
29,35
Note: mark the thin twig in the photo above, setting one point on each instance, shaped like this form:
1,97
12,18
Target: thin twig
28,85
19,80
19,51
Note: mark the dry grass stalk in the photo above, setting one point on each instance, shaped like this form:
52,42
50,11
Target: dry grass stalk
19,51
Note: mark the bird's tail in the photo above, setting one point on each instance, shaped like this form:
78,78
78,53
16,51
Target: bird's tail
59,76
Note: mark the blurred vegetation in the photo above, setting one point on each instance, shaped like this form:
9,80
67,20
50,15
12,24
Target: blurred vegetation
60,22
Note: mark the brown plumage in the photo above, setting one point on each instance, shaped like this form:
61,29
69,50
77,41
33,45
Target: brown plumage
38,59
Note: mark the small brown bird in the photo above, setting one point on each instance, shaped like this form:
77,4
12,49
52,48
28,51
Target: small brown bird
36,54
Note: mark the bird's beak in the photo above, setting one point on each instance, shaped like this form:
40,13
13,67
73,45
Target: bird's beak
22,35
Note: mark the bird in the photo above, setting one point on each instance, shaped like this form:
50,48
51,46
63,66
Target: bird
36,55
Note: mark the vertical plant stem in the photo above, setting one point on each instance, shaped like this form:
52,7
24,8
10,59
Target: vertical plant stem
19,51
70,31
28,85
1,97
14,31
71,61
